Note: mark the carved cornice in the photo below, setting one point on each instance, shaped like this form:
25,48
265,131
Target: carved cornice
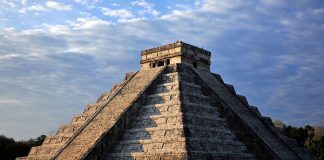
175,45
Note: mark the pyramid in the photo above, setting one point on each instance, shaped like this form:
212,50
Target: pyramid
173,108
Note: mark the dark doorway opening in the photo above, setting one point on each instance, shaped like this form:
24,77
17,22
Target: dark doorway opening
160,63
168,61
195,64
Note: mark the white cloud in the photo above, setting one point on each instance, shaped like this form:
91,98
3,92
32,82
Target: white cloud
81,59
34,8
8,56
272,2
122,13
49,5
57,29
87,3
147,8
8,3
23,2
57,6
9,101
220,6
88,23
183,7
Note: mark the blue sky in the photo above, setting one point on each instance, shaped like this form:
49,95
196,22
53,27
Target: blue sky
58,56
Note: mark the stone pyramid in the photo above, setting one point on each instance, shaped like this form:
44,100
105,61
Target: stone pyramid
173,108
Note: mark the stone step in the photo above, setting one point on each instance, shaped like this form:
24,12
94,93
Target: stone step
221,134
191,88
104,96
80,119
185,126
172,143
230,87
156,155
160,109
196,98
163,97
168,155
191,84
35,157
174,76
200,109
157,120
163,94
55,140
203,117
68,129
155,133
161,105
134,130
214,144
226,130
243,99
166,87
42,150
220,155
185,77
177,131
173,119
194,144
211,122
91,108
168,77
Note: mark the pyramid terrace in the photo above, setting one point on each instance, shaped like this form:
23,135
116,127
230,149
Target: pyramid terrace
174,108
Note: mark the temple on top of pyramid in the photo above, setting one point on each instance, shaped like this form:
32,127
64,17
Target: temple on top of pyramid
178,52
174,108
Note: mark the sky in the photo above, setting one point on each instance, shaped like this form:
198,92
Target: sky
58,56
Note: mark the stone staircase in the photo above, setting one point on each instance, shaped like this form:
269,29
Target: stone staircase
247,121
109,119
157,129
178,121
53,143
207,133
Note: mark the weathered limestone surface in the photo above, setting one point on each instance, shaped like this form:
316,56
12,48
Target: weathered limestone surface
207,133
80,145
177,120
178,52
157,130
178,111
239,106
52,144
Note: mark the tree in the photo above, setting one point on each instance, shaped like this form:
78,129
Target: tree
11,149
307,138
300,134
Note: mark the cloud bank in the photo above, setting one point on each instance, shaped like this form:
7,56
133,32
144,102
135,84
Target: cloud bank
271,51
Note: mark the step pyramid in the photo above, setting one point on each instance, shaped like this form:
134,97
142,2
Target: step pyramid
173,108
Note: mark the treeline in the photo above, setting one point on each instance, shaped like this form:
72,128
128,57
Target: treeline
307,137
10,149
